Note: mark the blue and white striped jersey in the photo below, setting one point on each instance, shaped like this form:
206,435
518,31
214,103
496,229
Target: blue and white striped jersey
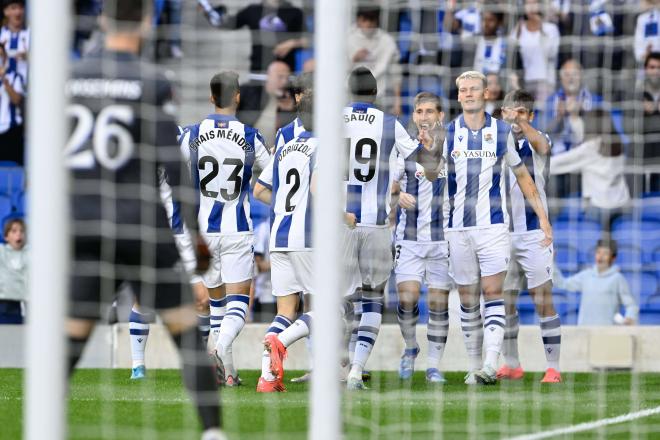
424,222
222,151
374,138
476,160
289,176
523,217
490,55
16,43
10,114
287,133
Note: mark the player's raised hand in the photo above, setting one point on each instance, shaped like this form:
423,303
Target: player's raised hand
350,219
425,138
547,231
407,201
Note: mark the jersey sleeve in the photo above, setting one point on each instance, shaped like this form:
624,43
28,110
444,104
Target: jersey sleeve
406,145
261,154
511,156
266,176
400,168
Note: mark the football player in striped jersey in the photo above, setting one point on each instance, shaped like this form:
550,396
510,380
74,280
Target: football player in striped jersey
421,252
530,261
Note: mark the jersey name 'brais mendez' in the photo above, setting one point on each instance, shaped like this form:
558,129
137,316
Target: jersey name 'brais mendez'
289,176
523,217
476,161
374,138
222,152
424,222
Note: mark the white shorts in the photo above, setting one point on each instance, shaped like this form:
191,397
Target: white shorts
291,272
371,249
530,261
232,259
476,253
426,263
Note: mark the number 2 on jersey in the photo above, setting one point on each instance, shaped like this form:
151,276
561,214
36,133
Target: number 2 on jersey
295,176
362,157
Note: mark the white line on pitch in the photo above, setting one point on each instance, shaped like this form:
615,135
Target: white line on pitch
587,426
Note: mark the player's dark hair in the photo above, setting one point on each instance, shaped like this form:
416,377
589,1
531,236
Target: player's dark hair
303,83
362,84
423,97
126,14
11,2
520,97
651,56
371,13
608,243
224,87
306,110
11,222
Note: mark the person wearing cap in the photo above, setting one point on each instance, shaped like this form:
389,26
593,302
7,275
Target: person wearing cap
604,289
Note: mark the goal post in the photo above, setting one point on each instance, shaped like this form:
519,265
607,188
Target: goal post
44,382
330,75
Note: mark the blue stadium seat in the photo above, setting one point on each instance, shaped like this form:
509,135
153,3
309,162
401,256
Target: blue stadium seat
12,180
566,257
526,309
5,207
629,257
650,208
649,311
643,285
567,305
18,201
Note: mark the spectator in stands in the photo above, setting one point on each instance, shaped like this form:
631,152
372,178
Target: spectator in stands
12,88
490,54
647,31
537,41
562,115
15,37
375,49
604,289
276,27
601,164
494,94
467,21
168,13
270,105
13,272
651,104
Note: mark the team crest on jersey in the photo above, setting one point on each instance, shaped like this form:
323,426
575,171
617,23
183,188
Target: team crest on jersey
222,124
488,137
456,154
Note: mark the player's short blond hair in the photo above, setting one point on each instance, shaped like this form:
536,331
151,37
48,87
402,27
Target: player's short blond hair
471,74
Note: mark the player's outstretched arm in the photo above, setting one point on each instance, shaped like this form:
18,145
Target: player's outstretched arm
262,193
537,140
528,188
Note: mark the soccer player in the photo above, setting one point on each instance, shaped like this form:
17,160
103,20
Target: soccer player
421,252
287,184
374,138
222,152
138,324
121,136
478,148
529,259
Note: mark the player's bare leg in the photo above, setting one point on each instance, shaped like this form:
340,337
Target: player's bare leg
550,329
271,372
472,328
437,330
237,300
197,373
408,315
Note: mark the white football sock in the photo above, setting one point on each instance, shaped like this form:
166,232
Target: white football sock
232,324
372,316
551,334
494,322
473,335
408,325
436,333
217,309
279,324
138,328
298,330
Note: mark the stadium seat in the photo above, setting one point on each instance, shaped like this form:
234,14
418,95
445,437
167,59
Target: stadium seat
566,257
643,285
650,208
18,201
5,206
567,305
649,311
12,180
629,257
526,309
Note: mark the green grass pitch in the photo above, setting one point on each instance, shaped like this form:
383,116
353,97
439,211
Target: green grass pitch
105,404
